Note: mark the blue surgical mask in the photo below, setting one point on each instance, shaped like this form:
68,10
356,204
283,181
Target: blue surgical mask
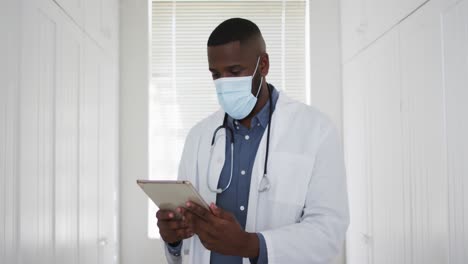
235,94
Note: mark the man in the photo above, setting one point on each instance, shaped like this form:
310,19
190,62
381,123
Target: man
273,173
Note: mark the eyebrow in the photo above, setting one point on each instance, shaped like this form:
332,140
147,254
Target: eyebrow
228,67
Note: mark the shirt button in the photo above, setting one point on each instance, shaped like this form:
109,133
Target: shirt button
242,208
258,124
247,137
243,172
237,127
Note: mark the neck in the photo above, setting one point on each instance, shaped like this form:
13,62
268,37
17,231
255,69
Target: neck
263,98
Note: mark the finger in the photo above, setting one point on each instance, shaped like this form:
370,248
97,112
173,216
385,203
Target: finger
187,233
180,212
220,212
184,233
186,216
189,218
172,224
198,210
165,215
216,210
204,229
171,236
201,227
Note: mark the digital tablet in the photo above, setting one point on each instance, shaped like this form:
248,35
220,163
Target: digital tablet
169,195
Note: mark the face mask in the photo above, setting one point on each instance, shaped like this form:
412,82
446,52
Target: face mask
235,94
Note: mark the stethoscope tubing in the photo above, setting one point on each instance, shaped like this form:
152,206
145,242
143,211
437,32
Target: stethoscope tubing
265,183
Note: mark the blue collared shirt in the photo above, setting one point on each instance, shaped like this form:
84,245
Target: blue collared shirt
236,198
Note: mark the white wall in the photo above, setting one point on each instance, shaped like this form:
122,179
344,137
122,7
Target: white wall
455,58
364,21
325,63
9,52
403,126
134,81
325,58
59,128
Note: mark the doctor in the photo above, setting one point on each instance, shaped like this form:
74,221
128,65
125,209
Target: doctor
271,168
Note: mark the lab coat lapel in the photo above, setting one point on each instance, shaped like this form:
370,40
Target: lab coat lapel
217,163
257,172
259,162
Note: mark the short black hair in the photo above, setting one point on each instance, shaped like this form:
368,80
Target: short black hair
234,29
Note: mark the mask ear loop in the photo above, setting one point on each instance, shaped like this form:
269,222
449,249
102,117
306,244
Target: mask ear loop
256,66
259,87
261,79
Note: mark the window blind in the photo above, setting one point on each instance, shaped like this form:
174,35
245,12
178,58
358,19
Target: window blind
182,91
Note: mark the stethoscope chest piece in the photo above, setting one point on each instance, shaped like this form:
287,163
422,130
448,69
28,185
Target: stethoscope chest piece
264,184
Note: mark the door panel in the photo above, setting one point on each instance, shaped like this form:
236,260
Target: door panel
455,37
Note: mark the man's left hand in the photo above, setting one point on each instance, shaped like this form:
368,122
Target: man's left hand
219,231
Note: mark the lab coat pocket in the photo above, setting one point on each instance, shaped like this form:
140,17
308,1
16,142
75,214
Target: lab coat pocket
289,176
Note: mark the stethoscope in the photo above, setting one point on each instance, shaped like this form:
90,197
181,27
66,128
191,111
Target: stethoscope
265,182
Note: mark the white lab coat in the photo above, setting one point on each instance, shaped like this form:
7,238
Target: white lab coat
304,215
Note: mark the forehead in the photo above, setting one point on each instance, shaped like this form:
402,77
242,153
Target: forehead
232,53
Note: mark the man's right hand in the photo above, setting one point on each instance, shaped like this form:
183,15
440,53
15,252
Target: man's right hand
171,228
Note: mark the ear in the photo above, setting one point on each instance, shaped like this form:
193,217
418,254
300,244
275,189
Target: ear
264,64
